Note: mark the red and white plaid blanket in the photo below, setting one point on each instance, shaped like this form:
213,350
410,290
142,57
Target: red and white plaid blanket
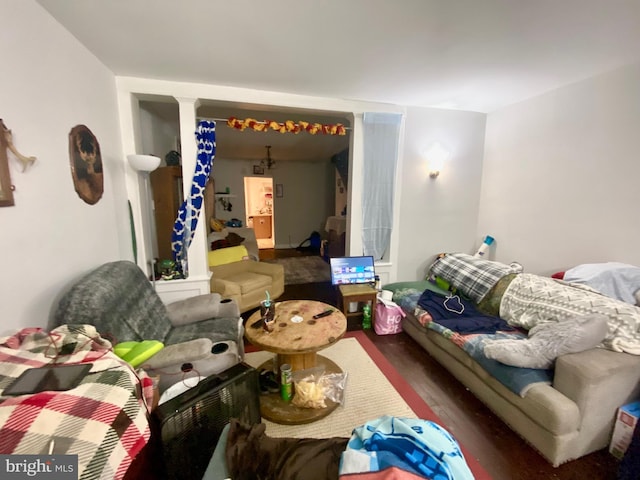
104,420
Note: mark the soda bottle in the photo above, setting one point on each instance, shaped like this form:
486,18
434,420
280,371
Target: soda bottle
366,316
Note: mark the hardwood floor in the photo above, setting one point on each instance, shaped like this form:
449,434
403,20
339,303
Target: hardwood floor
502,453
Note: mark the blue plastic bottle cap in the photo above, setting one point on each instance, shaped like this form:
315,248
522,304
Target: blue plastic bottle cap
488,240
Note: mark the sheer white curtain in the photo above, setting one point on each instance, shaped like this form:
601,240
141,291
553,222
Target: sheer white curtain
381,132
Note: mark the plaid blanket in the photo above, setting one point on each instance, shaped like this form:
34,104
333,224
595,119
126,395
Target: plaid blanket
472,276
103,420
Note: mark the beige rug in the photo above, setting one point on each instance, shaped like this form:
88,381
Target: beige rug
368,395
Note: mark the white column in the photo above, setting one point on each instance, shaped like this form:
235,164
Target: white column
128,106
197,253
354,209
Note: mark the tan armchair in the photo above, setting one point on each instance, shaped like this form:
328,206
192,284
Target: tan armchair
246,281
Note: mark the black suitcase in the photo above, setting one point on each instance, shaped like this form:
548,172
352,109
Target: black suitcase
190,424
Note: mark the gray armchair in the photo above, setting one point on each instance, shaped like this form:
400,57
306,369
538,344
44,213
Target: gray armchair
122,304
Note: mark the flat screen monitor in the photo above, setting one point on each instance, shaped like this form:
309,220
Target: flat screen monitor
349,270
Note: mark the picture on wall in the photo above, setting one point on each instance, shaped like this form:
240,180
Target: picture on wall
86,164
258,170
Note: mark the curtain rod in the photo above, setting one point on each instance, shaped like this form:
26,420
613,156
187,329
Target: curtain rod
257,121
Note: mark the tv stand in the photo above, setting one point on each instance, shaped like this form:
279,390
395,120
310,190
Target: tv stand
361,293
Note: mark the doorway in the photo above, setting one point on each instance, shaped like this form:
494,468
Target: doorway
258,203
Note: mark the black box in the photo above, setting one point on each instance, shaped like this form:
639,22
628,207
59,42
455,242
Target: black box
190,424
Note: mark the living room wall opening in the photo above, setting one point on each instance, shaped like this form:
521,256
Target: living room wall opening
259,208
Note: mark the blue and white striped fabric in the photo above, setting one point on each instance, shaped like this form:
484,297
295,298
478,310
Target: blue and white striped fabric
414,445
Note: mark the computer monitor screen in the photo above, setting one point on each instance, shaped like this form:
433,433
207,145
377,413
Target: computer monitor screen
346,270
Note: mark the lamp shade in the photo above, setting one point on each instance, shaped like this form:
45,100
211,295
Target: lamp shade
144,163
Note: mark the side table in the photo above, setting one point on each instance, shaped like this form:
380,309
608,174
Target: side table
296,339
357,293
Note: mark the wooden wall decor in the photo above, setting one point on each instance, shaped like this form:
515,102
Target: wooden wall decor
6,143
6,189
86,164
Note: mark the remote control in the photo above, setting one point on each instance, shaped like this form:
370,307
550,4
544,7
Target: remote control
257,324
326,313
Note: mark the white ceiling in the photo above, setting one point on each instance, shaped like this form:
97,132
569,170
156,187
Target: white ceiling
477,55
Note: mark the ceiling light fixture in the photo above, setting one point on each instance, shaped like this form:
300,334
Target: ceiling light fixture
268,162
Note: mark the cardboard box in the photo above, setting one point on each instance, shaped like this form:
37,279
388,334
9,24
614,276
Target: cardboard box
626,421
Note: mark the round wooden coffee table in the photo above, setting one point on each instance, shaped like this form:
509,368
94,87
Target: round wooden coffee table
296,339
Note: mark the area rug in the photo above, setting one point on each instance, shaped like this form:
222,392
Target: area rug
305,269
374,388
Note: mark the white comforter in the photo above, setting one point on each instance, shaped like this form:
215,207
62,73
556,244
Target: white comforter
531,299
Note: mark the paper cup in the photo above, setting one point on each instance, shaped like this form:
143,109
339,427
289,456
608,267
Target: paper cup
386,295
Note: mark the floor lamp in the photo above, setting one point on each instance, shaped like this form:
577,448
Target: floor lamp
144,165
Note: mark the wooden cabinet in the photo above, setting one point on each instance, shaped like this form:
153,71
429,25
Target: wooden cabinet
166,185
262,226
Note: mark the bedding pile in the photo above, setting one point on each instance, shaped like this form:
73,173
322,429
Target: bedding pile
530,300
518,380
103,420
527,300
383,448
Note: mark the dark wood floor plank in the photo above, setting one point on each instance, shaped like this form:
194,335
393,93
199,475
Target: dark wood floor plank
499,450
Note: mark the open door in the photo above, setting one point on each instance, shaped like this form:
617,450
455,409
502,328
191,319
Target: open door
259,209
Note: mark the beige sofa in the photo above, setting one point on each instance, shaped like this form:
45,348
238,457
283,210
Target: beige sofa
566,420
246,282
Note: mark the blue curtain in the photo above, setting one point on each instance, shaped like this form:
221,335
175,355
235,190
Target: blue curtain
381,132
187,218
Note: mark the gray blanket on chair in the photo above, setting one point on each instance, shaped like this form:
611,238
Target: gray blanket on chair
119,300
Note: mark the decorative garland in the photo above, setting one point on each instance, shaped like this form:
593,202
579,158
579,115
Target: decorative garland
287,127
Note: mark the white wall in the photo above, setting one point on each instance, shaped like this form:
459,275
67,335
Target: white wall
50,83
561,176
439,215
307,202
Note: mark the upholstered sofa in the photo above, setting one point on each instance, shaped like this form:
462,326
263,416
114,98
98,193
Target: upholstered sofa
564,420
122,304
246,281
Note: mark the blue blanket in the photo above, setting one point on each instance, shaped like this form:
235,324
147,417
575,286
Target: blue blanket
460,315
413,445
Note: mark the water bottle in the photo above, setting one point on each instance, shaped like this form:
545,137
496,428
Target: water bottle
366,316
488,240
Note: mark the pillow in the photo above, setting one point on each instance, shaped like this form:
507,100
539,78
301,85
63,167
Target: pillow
234,239
614,279
547,341
216,225
227,255
221,235
224,243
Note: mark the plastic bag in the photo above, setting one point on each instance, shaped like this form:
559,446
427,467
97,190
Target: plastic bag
388,319
312,387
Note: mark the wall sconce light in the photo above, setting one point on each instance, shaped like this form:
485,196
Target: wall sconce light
436,155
